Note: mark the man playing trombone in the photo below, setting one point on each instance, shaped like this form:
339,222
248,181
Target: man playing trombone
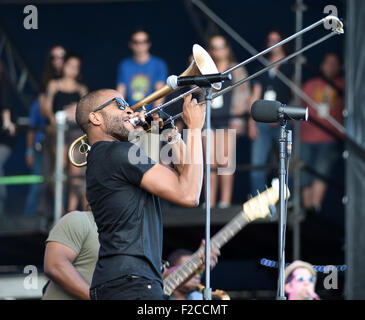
124,194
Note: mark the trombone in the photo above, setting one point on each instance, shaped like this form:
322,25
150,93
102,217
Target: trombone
203,64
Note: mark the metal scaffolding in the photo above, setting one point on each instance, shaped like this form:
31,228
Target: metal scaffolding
17,70
299,7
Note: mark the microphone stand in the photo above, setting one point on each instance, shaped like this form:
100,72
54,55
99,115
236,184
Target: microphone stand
205,83
285,142
207,293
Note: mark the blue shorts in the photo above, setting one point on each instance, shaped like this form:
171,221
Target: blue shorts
321,157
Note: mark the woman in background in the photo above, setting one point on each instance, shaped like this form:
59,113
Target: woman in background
36,156
233,103
268,86
63,95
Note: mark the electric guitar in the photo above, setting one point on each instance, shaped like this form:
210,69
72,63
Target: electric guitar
258,207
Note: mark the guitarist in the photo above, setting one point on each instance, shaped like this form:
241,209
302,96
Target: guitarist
187,291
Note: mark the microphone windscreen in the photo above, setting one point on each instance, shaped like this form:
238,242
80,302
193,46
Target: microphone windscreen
171,81
265,111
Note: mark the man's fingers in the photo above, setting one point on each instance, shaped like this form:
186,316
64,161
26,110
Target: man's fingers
141,115
156,118
187,98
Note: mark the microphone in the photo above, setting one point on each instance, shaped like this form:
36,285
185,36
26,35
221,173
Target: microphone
205,80
272,111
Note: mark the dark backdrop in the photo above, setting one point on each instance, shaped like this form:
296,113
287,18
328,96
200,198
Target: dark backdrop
99,32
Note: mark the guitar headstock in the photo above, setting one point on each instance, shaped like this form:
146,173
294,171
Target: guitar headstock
259,206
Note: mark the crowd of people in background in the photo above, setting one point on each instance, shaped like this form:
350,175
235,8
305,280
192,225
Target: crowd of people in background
143,73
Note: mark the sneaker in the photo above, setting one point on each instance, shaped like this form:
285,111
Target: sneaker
223,205
203,206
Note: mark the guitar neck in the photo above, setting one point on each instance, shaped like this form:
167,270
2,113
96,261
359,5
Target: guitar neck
177,277
229,230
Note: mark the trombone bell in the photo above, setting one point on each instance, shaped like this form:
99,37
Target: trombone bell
205,64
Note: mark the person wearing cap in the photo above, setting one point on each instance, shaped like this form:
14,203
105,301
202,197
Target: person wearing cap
300,280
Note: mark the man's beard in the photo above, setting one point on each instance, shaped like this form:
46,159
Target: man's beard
114,126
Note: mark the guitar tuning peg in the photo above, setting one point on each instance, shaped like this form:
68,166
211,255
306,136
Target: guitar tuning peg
259,197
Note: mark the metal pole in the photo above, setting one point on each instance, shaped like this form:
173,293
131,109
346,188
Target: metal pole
58,174
207,290
244,80
282,213
264,61
299,8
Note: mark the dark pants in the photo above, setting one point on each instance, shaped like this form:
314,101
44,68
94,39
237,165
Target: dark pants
128,288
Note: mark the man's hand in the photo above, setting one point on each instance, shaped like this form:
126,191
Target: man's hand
191,285
214,254
58,266
139,115
10,126
193,113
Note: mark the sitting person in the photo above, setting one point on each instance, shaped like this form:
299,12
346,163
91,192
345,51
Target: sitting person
187,291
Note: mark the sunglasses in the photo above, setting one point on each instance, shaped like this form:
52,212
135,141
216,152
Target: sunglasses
140,41
302,279
122,104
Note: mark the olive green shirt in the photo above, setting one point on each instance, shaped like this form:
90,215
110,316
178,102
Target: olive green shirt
78,231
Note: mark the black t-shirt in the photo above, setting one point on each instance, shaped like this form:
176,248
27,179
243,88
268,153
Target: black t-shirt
129,218
221,108
273,86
